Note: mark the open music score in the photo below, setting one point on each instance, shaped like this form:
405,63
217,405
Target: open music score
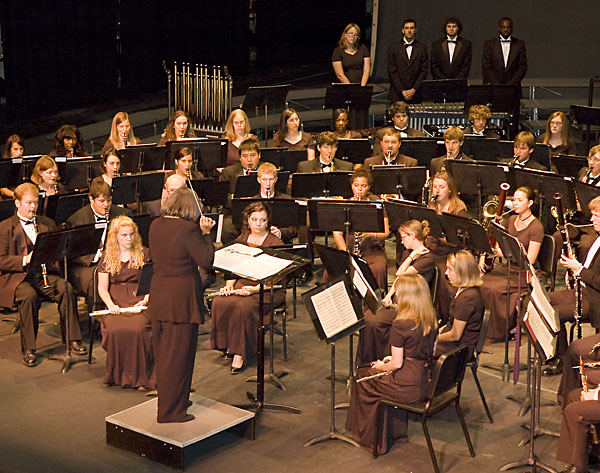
248,262
334,309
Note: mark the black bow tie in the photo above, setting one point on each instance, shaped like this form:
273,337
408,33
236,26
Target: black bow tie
326,166
26,222
100,219
505,40
406,45
451,41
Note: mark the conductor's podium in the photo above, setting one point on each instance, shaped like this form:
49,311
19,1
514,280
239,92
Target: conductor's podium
176,444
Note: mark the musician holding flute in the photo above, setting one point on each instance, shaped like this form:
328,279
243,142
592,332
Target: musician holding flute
23,285
402,376
125,336
121,134
179,244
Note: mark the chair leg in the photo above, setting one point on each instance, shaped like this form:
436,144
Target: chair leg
485,406
284,330
464,427
429,444
91,334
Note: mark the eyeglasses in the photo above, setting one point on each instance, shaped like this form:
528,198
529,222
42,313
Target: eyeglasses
354,35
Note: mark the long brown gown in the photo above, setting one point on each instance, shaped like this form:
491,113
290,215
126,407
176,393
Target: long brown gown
127,338
407,384
235,318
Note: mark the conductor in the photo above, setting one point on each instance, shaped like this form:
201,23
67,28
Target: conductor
178,245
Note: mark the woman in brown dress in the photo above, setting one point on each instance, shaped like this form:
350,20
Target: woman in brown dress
340,125
45,176
371,246
121,134
466,309
178,245
558,136
178,128
111,163
374,337
411,344
125,336
290,136
235,311
530,233
183,162
237,129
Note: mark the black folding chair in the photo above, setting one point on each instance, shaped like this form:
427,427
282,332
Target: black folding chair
444,390
474,362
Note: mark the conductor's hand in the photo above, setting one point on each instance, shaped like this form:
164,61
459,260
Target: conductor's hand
275,231
570,263
206,224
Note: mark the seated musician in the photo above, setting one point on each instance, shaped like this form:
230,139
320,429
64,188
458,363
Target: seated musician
121,134
23,285
340,125
479,116
14,148
68,143
237,129
125,336
564,301
370,246
249,162
45,176
390,155
588,350
178,128
374,337
591,174
183,163
111,163
558,135
530,233
235,312
523,147
466,308
411,340
453,140
327,145
444,199
81,270
400,114
291,136
172,183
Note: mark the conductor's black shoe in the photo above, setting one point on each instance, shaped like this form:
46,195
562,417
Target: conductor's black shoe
30,358
78,348
554,368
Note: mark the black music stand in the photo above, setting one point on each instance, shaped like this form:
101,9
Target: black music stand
355,150
274,96
444,90
79,172
61,206
148,156
7,209
422,149
585,193
321,184
211,192
10,170
284,212
401,211
208,154
130,160
465,232
398,180
568,165
136,188
355,98
586,115
546,184
334,302
481,149
499,97
64,245
283,158
248,186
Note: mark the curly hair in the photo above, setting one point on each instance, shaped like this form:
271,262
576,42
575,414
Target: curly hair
112,257
257,206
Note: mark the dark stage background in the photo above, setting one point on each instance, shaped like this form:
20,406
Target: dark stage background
65,54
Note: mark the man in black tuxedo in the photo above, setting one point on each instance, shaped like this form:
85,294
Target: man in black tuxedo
407,65
451,56
327,145
504,58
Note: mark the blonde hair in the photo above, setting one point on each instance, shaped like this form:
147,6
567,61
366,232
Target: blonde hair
456,204
593,151
419,229
414,302
119,118
267,168
112,254
43,164
465,268
229,131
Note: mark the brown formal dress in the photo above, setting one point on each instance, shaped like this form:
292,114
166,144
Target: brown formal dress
374,341
235,318
176,307
126,337
494,283
306,142
407,384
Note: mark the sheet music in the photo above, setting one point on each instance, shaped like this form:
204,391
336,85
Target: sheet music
544,337
334,309
542,302
249,262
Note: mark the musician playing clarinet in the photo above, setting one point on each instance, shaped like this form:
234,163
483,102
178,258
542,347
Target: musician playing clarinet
564,301
178,128
183,162
23,285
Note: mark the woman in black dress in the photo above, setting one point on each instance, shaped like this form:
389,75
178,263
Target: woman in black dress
558,136
351,60
68,143
125,336
406,375
235,311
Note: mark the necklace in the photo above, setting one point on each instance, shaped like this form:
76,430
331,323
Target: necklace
525,219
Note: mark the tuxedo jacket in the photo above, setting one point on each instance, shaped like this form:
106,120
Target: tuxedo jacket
437,164
441,68
14,244
314,165
487,133
492,62
404,73
400,160
531,164
231,173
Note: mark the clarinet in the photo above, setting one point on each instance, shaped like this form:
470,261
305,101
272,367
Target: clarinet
585,388
567,247
43,265
358,238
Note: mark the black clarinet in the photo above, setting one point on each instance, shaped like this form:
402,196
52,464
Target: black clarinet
43,265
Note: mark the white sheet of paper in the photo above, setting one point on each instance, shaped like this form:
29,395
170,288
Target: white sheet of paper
334,308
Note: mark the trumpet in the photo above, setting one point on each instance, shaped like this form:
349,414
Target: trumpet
43,265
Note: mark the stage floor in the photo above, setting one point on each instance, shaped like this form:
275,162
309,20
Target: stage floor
56,423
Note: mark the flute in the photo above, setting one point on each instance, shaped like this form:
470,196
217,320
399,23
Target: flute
124,310
236,292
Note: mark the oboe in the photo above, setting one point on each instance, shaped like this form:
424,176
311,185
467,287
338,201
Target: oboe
43,265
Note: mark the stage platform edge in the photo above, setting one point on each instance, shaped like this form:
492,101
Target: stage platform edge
136,430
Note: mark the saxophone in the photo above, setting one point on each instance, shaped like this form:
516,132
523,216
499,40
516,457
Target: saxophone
43,265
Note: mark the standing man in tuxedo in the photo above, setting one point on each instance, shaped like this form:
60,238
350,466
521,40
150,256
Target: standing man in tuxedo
451,55
407,65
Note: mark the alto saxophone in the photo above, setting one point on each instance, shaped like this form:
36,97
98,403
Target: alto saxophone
43,265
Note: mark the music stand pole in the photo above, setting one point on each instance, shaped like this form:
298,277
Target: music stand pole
526,401
333,434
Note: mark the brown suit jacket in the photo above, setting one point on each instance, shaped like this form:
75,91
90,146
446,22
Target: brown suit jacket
14,244
410,133
400,160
